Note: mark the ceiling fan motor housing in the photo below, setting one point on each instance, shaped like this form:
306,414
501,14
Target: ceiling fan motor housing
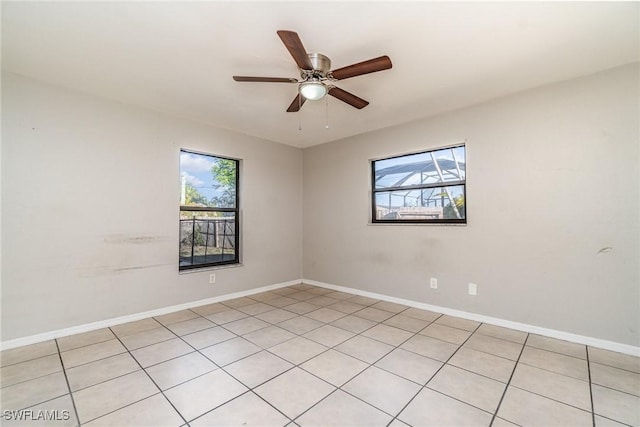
321,65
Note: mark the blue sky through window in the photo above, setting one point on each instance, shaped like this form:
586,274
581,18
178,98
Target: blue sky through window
196,169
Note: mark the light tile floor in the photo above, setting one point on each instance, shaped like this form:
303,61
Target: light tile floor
311,356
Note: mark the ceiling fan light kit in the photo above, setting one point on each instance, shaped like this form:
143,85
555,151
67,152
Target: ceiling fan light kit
313,90
316,75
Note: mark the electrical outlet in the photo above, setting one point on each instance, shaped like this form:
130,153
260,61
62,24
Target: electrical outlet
433,283
473,289
212,278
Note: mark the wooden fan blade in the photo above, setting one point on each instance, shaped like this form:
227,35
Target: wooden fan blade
264,79
347,97
296,49
298,102
365,67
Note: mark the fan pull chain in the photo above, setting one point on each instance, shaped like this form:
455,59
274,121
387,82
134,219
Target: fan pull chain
299,108
326,98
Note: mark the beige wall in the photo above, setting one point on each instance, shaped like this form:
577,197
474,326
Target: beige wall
90,195
553,177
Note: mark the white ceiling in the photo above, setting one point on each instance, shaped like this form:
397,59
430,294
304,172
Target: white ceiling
178,57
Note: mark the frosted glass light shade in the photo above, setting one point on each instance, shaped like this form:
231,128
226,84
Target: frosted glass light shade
313,90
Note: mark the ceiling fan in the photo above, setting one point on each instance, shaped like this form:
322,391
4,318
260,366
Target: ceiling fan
316,75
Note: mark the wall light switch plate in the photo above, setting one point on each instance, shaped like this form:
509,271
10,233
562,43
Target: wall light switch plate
433,283
212,278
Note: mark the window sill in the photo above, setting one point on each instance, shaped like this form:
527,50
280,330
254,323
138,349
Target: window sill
212,268
421,224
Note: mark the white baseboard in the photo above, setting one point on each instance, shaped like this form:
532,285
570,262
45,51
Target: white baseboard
46,336
566,336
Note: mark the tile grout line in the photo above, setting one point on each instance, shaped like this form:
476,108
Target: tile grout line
593,410
395,417
150,378
84,345
370,364
298,365
269,403
555,351
506,388
610,388
616,367
249,389
490,354
359,373
296,334
126,351
559,373
525,345
4,387
436,372
66,379
304,370
29,360
166,326
553,400
252,389
242,337
111,339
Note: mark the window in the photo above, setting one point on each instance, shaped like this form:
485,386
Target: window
427,187
209,225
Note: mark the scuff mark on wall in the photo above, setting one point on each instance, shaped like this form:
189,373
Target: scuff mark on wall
134,239
107,270
139,267
97,271
120,253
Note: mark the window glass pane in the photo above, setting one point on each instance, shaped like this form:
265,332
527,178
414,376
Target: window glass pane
423,204
444,165
207,237
207,181
209,211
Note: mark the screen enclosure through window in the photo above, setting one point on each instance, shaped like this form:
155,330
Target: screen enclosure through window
426,187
